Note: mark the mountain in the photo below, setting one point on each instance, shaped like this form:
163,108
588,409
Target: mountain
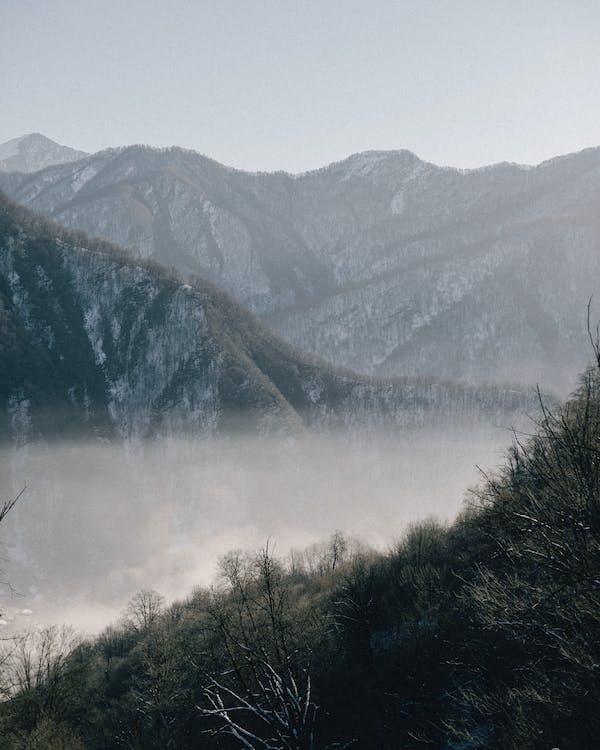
33,152
382,263
94,341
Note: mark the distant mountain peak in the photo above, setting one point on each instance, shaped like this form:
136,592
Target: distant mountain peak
383,262
367,163
34,151
376,156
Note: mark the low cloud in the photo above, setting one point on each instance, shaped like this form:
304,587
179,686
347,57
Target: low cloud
100,521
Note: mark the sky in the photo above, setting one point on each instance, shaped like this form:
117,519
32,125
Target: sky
276,84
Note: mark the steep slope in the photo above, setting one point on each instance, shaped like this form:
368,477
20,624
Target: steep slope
382,263
33,152
93,341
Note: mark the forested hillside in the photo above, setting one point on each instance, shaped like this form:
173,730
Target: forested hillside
383,262
481,634
96,342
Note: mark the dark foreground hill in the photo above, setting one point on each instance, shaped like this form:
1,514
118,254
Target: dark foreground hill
382,263
92,340
482,635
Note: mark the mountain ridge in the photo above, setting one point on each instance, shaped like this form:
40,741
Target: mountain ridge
525,166
113,345
381,263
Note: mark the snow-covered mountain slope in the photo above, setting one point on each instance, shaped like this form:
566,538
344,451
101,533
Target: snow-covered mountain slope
93,341
33,152
382,263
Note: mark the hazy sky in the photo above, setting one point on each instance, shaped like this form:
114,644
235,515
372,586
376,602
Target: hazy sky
275,84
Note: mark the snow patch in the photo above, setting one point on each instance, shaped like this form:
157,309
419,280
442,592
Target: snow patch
362,165
91,322
82,177
398,203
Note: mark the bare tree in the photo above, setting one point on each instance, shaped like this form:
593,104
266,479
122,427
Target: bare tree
262,696
145,608
34,670
280,707
5,508
324,558
157,687
8,505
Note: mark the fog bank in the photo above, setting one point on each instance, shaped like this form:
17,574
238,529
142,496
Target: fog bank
100,521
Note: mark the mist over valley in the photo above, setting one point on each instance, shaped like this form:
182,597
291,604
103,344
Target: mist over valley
299,376
158,424
100,521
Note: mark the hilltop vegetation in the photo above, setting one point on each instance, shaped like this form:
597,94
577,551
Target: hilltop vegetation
481,634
